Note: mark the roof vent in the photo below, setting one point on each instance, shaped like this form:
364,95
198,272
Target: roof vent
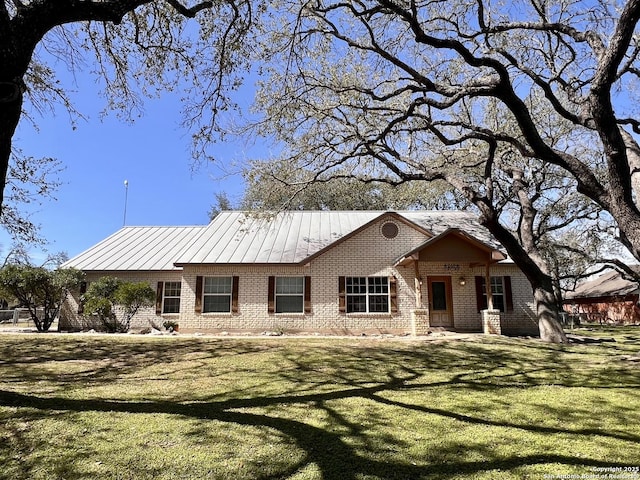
389,230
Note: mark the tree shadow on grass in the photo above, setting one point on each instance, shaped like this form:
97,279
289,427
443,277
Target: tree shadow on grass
82,360
328,450
373,373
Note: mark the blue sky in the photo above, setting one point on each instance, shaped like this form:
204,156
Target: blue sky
152,154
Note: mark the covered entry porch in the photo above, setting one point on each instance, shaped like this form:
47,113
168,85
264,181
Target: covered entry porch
451,272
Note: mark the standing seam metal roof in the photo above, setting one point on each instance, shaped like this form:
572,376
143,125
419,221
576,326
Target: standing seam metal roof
137,248
241,238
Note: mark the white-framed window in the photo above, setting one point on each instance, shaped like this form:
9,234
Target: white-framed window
171,297
217,294
289,295
497,292
367,295
500,293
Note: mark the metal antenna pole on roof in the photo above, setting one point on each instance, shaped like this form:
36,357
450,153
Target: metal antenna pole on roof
126,194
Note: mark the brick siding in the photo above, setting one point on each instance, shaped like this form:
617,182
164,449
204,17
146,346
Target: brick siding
366,254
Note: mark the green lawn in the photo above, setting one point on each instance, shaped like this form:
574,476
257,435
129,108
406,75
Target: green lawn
133,407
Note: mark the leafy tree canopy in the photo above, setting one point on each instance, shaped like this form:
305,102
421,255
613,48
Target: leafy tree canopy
280,187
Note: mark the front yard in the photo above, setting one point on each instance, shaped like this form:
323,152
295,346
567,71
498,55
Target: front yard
133,407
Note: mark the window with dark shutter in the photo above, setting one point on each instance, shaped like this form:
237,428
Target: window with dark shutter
307,294
481,297
217,294
500,291
198,294
171,293
290,295
83,290
159,293
393,294
342,295
508,293
271,295
234,295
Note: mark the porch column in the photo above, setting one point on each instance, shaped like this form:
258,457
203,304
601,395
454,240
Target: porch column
490,317
420,315
487,283
420,322
417,284
491,322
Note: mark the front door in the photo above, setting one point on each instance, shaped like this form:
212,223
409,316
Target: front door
440,302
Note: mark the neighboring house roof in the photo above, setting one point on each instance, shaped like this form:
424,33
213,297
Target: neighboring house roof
609,284
234,237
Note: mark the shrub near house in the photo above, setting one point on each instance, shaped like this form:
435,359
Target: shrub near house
115,302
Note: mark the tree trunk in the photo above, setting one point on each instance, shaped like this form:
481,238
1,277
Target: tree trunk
19,35
36,321
10,111
548,315
531,263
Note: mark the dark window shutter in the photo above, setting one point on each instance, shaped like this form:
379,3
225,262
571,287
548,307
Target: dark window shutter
393,294
83,290
271,294
508,295
481,300
234,294
159,298
307,294
198,294
342,296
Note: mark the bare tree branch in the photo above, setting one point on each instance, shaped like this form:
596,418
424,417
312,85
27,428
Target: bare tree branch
192,11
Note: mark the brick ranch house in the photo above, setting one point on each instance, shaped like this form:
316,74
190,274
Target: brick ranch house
340,272
607,298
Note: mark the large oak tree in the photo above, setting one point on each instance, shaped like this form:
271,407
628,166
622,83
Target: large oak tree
135,47
516,105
